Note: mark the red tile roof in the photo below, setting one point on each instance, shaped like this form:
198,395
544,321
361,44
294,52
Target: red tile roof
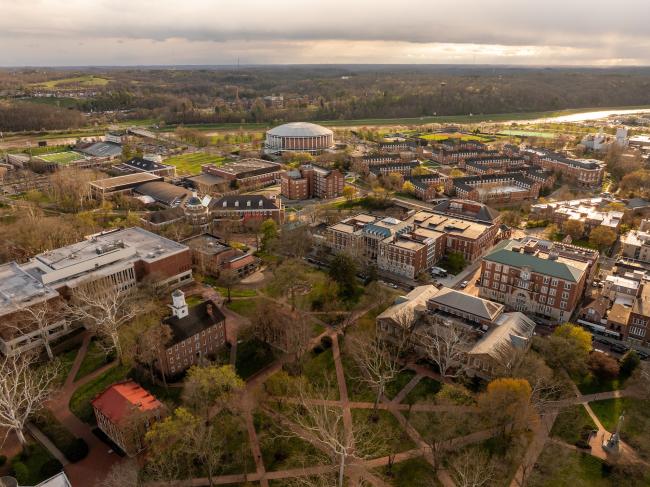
118,400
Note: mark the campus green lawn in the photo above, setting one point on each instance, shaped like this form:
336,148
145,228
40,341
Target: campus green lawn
237,293
320,371
415,472
94,359
589,384
191,163
66,360
282,451
636,423
244,307
61,158
252,356
571,422
384,433
558,466
440,426
424,391
80,400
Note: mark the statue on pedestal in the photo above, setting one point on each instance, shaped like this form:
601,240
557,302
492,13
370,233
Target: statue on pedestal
612,444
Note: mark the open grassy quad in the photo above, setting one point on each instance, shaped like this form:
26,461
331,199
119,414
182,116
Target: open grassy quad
94,359
573,424
636,424
415,472
558,466
191,163
61,158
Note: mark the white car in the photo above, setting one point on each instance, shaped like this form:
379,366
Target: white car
464,284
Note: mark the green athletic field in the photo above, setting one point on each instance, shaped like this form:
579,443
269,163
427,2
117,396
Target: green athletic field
191,163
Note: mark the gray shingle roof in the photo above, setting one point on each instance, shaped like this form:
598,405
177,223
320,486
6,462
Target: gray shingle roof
466,303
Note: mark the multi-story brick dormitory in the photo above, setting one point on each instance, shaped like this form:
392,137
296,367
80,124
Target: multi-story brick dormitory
455,143
585,172
363,164
537,277
246,208
311,181
494,188
451,157
244,174
403,168
543,176
123,258
398,146
409,247
491,165
489,332
468,210
198,333
428,186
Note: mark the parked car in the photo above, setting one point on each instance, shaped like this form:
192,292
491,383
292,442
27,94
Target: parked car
464,284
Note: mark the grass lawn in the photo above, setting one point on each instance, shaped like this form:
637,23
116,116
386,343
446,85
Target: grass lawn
252,356
66,360
61,158
94,359
281,451
244,307
636,423
358,390
591,385
33,459
237,293
415,472
571,422
320,371
80,400
400,381
425,390
193,300
386,435
191,163
560,467
444,425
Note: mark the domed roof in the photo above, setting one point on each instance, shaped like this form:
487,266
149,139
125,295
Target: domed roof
299,129
194,201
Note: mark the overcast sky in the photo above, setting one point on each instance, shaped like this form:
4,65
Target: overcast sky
149,32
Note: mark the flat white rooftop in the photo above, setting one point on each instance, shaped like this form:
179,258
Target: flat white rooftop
18,289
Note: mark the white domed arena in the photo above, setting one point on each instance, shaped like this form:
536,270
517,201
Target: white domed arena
298,137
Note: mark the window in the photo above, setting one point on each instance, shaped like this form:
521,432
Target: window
546,279
503,287
542,299
638,331
551,292
567,286
565,295
497,268
554,282
562,304
544,290
551,301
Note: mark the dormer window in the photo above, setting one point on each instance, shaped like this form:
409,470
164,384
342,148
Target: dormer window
237,203
260,203
225,203
248,203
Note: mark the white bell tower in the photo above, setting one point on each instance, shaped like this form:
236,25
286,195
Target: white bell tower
179,306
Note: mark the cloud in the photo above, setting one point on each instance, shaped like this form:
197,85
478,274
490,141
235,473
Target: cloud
574,31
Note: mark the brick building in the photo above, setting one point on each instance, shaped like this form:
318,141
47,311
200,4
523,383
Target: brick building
211,256
311,181
585,172
124,412
428,186
501,188
537,277
198,333
403,168
244,174
247,208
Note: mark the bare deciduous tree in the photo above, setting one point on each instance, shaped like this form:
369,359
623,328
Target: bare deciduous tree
123,474
23,390
275,325
103,308
323,425
378,360
42,317
446,346
472,468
